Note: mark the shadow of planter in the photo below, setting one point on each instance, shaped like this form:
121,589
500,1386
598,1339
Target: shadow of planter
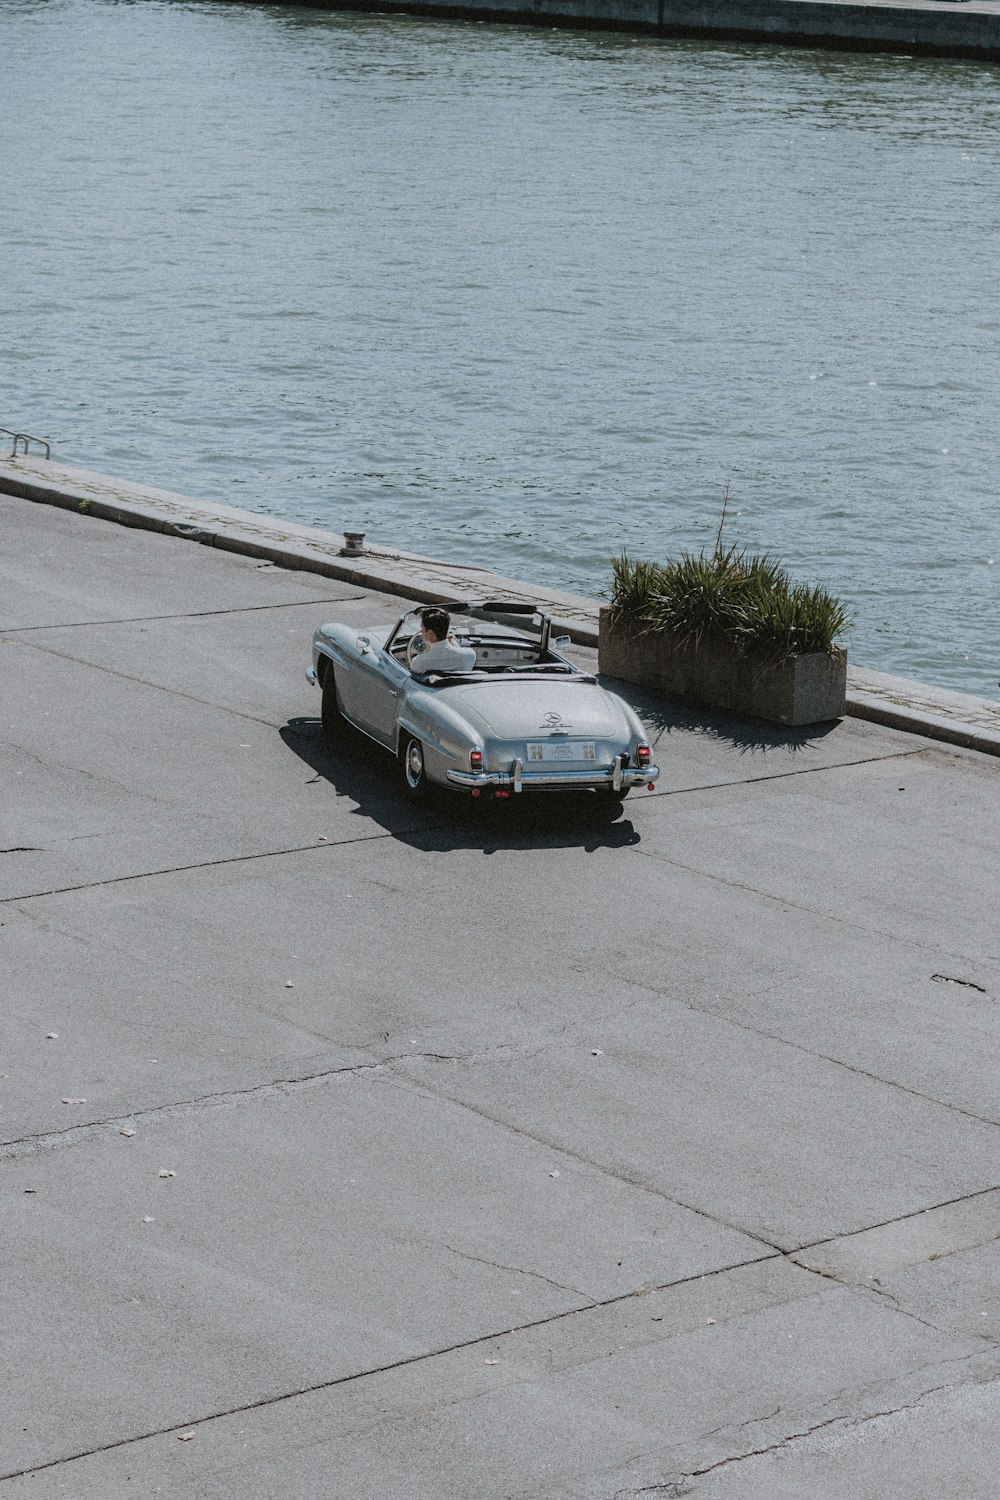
801,690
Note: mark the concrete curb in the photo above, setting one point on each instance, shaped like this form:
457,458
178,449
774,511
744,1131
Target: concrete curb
955,725
286,543
915,708
920,27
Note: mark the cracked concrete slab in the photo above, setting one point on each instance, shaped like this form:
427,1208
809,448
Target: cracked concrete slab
238,932
296,1237
955,1290
750,1131
740,1122
648,1389
928,1236
941,1444
272,963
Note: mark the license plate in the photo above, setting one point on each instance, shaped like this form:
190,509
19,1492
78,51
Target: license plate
562,750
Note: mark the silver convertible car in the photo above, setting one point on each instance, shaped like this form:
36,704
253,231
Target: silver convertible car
518,717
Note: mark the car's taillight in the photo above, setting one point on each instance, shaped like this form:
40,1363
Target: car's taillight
643,755
475,760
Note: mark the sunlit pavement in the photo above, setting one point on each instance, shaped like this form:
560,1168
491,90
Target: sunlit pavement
358,1150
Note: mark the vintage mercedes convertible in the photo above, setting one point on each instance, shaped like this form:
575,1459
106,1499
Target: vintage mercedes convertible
518,717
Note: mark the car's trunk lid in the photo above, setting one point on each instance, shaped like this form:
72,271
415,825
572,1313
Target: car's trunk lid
534,709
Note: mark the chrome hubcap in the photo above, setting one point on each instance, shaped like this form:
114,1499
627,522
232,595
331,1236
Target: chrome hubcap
414,764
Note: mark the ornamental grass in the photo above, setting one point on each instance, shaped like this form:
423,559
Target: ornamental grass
748,600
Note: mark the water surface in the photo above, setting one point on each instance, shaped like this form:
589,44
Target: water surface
520,297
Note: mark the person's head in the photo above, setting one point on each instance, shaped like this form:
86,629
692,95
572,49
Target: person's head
434,624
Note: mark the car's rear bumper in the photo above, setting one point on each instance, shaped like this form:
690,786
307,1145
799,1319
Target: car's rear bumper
611,778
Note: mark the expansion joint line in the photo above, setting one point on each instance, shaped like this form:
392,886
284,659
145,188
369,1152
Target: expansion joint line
842,765
828,1057
209,864
187,614
771,1247
157,687
917,1213
74,1134
785,1252
788,904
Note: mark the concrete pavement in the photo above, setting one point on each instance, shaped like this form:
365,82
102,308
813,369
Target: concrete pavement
354,1151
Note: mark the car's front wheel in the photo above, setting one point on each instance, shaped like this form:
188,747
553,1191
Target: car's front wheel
414,771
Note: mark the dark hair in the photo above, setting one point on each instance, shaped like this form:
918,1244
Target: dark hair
437,621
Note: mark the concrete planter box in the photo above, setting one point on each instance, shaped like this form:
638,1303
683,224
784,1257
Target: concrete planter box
803,690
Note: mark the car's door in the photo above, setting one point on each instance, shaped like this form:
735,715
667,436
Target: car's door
372,690
353,686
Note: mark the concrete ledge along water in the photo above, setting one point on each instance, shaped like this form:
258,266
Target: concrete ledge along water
954,28
955,718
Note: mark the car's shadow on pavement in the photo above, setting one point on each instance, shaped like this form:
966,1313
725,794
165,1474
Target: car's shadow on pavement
368,776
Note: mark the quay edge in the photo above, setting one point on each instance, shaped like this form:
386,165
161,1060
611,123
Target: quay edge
959,719
936,28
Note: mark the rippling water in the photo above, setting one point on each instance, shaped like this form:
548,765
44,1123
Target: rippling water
521,297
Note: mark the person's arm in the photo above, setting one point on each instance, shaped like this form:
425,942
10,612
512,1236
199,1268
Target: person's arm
426,660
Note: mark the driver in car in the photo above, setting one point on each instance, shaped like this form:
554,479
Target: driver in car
438,650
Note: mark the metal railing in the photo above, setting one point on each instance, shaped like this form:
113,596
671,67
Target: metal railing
27,439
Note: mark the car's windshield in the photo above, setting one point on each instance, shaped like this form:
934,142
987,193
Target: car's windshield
472,622
505,638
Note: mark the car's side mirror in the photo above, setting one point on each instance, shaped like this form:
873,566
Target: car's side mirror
563,640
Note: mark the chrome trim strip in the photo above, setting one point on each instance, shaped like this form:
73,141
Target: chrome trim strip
630,777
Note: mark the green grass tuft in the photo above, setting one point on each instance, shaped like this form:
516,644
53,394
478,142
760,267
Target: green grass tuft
748,600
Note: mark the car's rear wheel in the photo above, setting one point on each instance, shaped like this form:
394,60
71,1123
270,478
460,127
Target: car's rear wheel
414,771
334,723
